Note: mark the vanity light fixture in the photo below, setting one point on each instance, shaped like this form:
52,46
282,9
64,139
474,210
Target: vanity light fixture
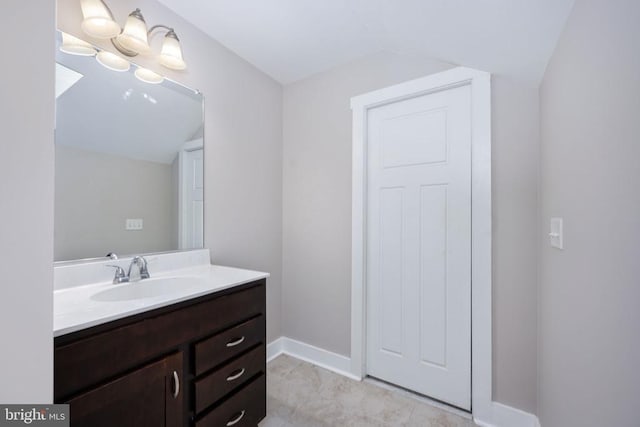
75,46
112,61
134,38
171,53
148,76
98,20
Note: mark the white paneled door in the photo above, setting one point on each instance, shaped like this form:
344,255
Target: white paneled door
419,244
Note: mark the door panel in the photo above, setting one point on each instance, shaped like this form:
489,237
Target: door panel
433,274
390,273
419,244
144,397
402,139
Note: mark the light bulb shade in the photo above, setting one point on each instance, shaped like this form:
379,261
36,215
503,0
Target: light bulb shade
171,53
75,46
98,21
112,61
148,76
134,35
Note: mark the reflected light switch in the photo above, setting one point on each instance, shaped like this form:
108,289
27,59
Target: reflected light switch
133,224
555,233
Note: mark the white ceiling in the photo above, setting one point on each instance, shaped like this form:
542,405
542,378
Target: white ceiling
293,39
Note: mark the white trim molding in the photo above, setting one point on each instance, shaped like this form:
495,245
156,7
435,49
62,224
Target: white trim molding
317,356
480,83
507,416
275,349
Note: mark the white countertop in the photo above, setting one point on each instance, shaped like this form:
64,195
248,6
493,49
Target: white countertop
77,307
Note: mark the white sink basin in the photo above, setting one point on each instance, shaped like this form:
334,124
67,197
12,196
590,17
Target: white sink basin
148,288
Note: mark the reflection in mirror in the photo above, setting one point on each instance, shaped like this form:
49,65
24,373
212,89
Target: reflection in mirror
129,162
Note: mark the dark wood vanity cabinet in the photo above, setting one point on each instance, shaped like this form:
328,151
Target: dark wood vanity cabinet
196,363
147,396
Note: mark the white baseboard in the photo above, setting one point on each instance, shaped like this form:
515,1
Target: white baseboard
275,349
507,416
499,415
317,356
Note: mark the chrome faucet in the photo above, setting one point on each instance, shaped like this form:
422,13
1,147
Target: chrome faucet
121,277
141,263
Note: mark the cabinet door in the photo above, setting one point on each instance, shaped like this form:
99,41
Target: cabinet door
149,396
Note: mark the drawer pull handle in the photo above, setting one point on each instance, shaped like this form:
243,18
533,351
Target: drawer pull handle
236,342
236,420
236,376
176,385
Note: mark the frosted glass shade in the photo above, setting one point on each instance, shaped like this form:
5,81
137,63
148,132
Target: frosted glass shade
112,61
171,53
148,76
134,35
98,21
75,46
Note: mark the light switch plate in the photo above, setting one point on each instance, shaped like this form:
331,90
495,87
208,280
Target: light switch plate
555,233
133,224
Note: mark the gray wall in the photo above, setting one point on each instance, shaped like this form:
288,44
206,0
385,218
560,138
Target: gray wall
243,145
26,194
92,203
317,214
515,166
589,292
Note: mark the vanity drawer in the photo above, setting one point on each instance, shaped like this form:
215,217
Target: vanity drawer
245,408
90,361
222,381
225,345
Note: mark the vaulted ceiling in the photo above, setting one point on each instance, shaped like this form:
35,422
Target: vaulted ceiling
293,39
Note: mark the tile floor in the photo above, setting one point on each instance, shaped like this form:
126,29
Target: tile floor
303,395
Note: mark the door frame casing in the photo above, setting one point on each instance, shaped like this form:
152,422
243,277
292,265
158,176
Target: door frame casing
480,84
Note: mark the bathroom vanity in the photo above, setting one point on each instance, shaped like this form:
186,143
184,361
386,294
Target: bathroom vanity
192,354
186,345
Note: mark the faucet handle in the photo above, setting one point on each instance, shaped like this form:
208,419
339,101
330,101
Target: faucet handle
120,276
141,262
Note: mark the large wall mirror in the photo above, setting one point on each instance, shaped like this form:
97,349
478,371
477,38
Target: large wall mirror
128,162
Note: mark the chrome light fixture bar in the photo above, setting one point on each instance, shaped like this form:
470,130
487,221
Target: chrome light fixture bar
133,39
